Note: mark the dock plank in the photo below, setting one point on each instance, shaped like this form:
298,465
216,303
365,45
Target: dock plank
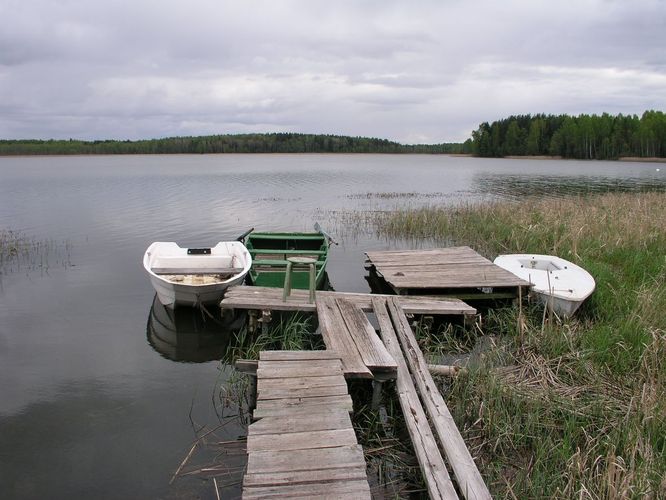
333,490
343,400
322,420
305,477
369,345
298,382
297,355
336,337
432,464
264,298
301,440
304,392
466,473
303,460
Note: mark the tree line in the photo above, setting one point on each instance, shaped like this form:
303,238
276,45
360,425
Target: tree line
230,143
588,137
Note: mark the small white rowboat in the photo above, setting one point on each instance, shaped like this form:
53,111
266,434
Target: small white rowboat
195,276
560,284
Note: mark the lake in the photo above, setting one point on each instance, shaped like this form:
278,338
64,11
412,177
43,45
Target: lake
92,405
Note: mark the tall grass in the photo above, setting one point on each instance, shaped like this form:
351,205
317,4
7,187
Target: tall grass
287,331
572,409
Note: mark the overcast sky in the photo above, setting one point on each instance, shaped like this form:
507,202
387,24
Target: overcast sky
419,71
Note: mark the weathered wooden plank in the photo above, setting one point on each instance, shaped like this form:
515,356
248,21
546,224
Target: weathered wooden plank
474,277
299,460
296,371
343,401
297,411
467,475
297,355
322,419
304,392
336,337
305,477
299,382
369,345
260,298
357,488
325,364
432,465
301,440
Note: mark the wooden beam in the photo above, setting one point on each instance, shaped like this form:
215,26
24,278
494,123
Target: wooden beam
430,460
467,475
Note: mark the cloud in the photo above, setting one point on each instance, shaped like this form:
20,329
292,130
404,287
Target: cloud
423,71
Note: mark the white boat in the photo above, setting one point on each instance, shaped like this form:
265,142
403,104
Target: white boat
195,276
560,284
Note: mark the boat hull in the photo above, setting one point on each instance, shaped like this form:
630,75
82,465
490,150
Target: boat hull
172,293
559,284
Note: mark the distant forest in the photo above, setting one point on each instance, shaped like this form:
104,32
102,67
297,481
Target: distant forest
587,137
238,143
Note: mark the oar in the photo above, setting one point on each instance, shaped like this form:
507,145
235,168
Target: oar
319,229
242,236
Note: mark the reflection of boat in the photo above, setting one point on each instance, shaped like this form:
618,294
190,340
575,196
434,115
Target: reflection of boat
185,334
194,276
558,283
270,251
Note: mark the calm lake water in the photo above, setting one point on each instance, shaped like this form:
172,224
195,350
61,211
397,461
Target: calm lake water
91,405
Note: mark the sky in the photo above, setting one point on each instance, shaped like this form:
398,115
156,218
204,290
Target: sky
413,72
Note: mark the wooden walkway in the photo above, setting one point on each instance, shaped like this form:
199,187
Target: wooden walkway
456,271
303,444
270,299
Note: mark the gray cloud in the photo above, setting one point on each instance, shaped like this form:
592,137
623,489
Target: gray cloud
424,71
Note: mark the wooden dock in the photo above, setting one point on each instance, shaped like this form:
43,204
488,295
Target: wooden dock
270,299
303,444
454,272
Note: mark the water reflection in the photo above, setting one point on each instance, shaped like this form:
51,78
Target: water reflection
187,334
519,186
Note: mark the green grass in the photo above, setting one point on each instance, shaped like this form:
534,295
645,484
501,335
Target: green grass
571,409
287,331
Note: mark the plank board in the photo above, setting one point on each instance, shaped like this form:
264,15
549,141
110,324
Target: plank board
305,477
265,298
432,465
369,345
297,411
304,392
321,420
300,460
467,475
357,488
295,372
301,440
343,401
299,382
297,355
336,337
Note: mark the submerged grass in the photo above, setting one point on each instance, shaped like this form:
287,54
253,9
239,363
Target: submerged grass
573,408
20,252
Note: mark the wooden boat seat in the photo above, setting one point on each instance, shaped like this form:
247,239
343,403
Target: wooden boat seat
195,270
275,251
272,262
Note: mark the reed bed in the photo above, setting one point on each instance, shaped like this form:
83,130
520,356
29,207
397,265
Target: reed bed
19,252
574,408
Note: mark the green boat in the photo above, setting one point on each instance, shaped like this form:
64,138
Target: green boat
270,251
